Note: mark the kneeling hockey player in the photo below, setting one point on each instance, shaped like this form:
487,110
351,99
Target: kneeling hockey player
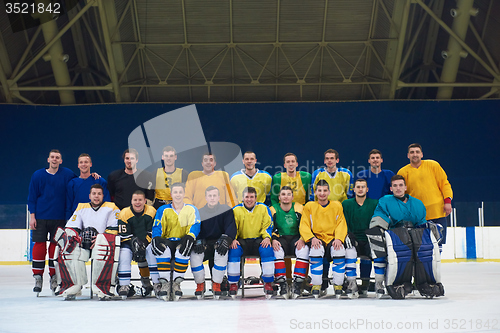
324,229
175,229
400,235
90,232
134,227
218,229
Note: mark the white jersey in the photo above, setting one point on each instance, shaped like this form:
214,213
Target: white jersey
85,216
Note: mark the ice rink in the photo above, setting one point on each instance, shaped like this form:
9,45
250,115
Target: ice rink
471,304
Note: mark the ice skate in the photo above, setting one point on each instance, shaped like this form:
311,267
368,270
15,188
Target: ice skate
200,290
316,290
164,292
147,288
157,289
269,290
233,290
176,288
216,290
352,289
338,291
379,288
296,289
284,290
123,292
38,284
53,284
363,290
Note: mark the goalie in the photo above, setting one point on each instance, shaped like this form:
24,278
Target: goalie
134,227
90,233
400,237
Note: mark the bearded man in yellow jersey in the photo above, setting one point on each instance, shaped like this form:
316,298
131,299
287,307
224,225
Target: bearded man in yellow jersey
167,176
427,181
298,181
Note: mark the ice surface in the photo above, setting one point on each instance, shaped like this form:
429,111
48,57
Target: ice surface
471,304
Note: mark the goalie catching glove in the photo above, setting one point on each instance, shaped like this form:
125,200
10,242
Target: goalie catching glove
186,244
158,246
138,249
222,244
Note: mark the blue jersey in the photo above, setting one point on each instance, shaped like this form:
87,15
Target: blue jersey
378,184
47,193
394,211
78,191
217,221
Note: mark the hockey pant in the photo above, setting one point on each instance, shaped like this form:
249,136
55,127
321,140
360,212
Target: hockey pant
301,264
105,255
70,264
316,263
266,260
160,267
218,271
125,266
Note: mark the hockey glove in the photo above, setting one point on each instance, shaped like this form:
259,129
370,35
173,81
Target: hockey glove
158,246
222,244
186,244
138,250
350,241
88,236
199,246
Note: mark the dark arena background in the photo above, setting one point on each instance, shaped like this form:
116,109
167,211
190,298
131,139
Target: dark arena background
268,76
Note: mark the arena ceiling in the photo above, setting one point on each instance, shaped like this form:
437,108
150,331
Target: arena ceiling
185,51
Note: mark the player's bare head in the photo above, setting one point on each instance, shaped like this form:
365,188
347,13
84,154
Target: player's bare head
83,155
169,149
177,191
360,187
290,162
169,156
332,151
398,186
290,157
96,195
286,194
249,196
322,190
138,201
249,160
55,158
374,152
131,151
415,146
84,163
208,162
212,196
375,158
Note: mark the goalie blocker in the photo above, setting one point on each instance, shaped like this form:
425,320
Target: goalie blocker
70,268
409,252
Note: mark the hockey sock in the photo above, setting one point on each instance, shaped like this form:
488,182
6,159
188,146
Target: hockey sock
350,263
379,266
39,251
279,269
365,268
316,264
143,268
338,268
180,267
52,250
300,269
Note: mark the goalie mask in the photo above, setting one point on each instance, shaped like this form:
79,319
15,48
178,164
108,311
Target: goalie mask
88,235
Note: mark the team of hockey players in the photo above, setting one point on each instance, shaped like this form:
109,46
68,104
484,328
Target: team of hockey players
201,220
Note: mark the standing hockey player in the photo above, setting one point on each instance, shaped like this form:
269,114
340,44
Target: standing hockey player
427,181
339,179
218,229
378,180
254,224
167,176
78,188
399,232
175,229
324,229
93,226
135,229
198,181
286,239
46,203
251,176
123,183
358,212
299,181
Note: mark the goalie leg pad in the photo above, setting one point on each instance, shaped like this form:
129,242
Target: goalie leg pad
376,238
72,274
427,262
197,267
124,266
399,256
105,264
